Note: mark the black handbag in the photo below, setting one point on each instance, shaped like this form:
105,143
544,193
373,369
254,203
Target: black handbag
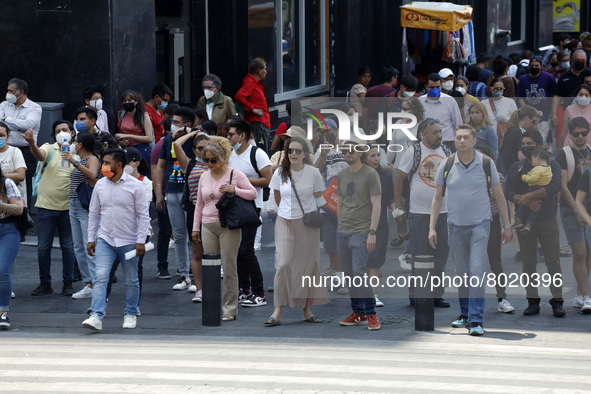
236,212
24,221
312,218
84,191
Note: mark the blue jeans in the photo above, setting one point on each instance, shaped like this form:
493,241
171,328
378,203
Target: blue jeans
10,241
468,245
79,225
419,246
105,257
353,255
47,221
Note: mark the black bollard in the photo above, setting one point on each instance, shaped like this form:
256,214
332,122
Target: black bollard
212,290
424,307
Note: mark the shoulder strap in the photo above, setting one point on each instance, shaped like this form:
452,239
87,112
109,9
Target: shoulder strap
416,160
49,157
448,164
296,193
190,167
231,175
253,160
446,150
570,161
487,172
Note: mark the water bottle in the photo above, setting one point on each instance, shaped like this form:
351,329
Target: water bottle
65,148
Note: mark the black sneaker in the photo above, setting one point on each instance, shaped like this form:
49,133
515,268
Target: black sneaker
163,273
4,321
67,289
440,303
557,309
533,308
42,289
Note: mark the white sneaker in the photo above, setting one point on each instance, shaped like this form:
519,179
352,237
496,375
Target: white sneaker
171,244
93,323
184,283
192,289
221,272
378,302
12,295
138,313
257,246
86,292
586,308
405,260
198,296
505,306
129,321
578,302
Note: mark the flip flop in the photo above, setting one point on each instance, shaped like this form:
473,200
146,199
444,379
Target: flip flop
270,322
313,319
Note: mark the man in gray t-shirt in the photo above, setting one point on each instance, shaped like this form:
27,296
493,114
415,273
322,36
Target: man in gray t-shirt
358,213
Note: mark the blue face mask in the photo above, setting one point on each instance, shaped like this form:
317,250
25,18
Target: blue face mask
2,142
237,146
435,92
81,126
198,159
565,64
163,105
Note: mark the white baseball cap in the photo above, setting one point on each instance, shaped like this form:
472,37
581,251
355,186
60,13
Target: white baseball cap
445,72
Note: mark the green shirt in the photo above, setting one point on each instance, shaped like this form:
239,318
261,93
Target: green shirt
355,191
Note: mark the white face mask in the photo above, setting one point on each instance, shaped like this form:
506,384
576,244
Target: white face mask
11,98
61,136
98,104
447,85
128,169
461,90
73,149
408,94
208,93
174,128
584,101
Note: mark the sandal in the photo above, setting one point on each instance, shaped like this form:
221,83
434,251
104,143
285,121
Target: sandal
312,319
228,318
399,240
270,322
565,253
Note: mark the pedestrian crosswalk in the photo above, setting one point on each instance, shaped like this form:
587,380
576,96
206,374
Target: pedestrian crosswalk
420,364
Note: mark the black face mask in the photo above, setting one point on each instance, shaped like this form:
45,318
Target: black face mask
527,151
534,70
128,106
579,66
553,64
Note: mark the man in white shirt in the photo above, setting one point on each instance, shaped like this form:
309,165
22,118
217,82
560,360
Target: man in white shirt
119,202
21,114
442,107
243,158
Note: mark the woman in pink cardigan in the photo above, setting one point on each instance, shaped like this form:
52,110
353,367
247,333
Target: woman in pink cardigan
206,224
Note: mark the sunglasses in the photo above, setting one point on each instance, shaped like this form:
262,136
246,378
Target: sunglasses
580,134
346,152
212,161
295,151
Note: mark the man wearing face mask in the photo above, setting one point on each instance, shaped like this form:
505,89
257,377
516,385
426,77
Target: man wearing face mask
169,171
442,107
120,204
86,119
569,82
545,229
408,88
53,208
21,114
218,106
93,98
447,82
155,107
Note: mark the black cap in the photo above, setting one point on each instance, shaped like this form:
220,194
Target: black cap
132,154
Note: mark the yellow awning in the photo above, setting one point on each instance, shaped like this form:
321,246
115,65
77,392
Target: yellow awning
435,16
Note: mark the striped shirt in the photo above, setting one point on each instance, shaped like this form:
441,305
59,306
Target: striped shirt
194,178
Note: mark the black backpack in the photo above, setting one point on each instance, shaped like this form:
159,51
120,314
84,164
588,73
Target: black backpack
253,162
485,164
416,162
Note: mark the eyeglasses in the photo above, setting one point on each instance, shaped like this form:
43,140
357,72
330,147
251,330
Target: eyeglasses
580,134
207,87
178,122
212,161
199,148
295,151
346,152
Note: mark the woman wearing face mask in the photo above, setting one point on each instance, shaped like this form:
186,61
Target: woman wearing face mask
86,169
192,170
12,162
499,68
562,66
218,106
462,86
499,109
579,107
485,134
206,224
134,124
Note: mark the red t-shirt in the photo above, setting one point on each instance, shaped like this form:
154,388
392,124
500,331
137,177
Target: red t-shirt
157,117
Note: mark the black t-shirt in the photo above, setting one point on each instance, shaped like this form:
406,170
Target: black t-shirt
567,85
582,161
584,187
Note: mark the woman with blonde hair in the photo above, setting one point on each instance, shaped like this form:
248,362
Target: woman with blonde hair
298,188
220,179
485,134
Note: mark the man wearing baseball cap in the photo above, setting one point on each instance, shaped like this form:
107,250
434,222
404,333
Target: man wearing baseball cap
447,83
585,39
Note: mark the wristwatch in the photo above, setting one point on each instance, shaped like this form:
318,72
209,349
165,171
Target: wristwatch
76,164
507,227
372,231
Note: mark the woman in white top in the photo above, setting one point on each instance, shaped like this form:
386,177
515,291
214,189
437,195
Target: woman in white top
297,245
357,92
12,163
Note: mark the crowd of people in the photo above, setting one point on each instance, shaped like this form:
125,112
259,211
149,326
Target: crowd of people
478,171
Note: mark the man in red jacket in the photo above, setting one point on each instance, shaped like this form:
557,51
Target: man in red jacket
251,96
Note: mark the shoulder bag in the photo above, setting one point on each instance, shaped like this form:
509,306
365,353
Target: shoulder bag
312,218
235,212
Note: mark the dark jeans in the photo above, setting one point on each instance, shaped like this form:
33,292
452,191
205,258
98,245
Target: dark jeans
261,136
494,253
249,270
419,236
164,232
47,221
523,211
546,231
31,163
